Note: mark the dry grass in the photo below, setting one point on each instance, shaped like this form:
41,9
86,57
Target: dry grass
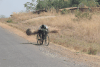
79,35
18,17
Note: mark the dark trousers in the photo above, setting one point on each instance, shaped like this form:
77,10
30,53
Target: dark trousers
43,34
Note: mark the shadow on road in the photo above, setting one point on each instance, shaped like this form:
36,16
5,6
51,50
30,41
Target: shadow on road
32,44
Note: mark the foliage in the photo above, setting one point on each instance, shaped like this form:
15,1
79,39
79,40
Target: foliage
98,1
29,6
9,20
89,3
92,51
41,5
48,4
64,11
59,4
2,16
66,4
74,3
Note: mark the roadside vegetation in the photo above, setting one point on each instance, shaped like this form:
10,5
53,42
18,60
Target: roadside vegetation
2,16
77,30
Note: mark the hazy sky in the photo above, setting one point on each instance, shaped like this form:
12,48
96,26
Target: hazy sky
7,7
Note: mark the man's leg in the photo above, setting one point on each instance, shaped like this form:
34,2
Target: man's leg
40,33
46,33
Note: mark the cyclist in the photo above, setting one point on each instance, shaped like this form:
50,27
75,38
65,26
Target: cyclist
43,31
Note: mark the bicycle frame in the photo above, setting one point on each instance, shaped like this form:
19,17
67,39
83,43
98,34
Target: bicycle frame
41,36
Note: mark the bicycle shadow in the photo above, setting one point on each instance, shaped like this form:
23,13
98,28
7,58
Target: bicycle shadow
32,44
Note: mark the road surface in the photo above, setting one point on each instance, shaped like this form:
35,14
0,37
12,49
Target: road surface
18,52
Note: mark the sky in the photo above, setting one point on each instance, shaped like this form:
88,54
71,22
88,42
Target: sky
7,7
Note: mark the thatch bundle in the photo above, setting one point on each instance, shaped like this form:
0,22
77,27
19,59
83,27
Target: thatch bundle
29,32
54,31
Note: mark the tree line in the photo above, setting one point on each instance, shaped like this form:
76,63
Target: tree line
59,4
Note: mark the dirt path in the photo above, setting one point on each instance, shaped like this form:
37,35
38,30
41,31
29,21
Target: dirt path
38,18
92,61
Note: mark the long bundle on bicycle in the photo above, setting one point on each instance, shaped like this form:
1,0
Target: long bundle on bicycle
35,32
29,32
54,31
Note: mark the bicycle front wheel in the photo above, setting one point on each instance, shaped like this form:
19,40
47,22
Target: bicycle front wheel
47,41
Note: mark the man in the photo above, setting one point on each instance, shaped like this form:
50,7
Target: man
43,31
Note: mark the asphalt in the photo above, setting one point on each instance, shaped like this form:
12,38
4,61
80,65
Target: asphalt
15,51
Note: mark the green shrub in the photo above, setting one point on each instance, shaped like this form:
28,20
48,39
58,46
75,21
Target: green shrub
88,3
64,11
92,51
9,21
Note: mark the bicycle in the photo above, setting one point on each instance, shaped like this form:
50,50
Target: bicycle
42,38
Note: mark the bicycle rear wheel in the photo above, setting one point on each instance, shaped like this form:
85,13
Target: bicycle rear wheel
39,40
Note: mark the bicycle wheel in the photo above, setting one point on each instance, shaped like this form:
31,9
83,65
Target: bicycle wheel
39,40
47,41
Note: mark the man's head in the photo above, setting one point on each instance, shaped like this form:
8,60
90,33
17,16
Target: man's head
43,26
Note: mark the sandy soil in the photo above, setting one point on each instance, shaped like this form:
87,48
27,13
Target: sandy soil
93,61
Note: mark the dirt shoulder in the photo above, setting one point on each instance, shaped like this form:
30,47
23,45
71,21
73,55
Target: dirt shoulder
64,52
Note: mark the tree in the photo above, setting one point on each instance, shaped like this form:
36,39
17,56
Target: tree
2,16
48,4
74,3
98,1
29,6
89,3
41,4
61,4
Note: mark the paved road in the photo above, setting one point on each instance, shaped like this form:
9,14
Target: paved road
17,52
